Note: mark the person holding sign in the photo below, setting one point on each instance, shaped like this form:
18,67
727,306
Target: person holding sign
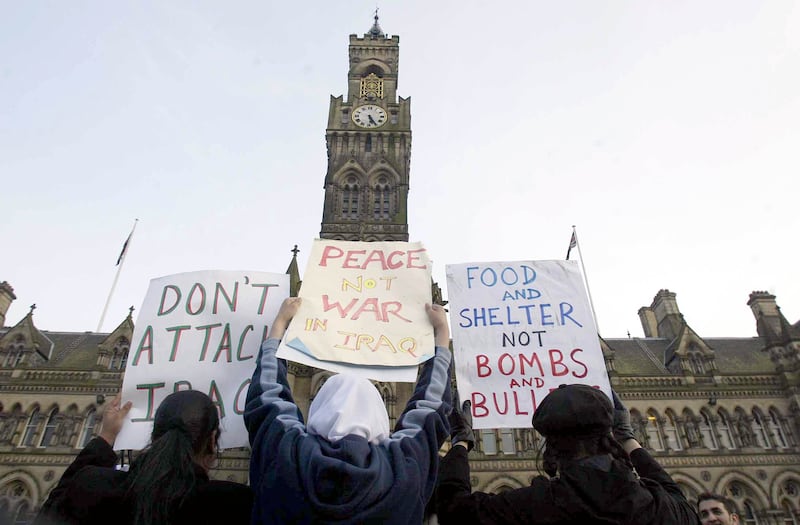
167,483
590,454
345,466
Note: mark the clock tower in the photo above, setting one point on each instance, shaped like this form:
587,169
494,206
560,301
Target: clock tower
369,147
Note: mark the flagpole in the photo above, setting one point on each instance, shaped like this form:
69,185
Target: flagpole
585,278
120,262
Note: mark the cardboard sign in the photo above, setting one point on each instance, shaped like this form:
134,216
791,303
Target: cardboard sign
199,331
364,304
520,329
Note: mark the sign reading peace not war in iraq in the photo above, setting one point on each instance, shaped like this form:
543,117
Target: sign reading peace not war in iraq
520,329
199,331
363,303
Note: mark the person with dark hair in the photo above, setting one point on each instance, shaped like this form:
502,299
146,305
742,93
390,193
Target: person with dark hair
344,466
716,509
167,483
590,454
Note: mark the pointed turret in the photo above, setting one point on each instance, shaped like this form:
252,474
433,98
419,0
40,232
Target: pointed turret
294,274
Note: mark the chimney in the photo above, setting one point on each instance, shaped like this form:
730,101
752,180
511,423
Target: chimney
6,298
668,317
648,319
767,314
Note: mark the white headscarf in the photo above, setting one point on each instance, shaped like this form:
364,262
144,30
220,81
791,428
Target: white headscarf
347,404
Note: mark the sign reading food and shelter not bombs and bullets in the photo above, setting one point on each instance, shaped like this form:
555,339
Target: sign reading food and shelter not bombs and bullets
520,329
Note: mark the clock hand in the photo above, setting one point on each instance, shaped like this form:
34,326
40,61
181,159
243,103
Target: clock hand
371,120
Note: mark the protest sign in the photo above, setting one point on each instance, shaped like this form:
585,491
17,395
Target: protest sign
520,329
199,331
364,304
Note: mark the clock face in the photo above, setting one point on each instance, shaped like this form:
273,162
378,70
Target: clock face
369,116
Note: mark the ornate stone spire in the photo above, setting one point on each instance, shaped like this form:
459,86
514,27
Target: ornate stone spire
376,31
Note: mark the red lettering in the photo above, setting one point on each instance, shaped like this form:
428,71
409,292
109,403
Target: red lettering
533,361
505,402
342,311
500,364
557,363
350,258
396,264
412,259
326,254
476,404
394,310
483,364
585,369
375,256
370,305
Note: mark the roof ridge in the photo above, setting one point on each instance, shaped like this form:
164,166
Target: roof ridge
650,355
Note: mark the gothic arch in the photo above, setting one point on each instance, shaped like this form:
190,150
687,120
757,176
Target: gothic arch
776,488
348,169
691,487
25,479
501,483
371,65
751,485
383,170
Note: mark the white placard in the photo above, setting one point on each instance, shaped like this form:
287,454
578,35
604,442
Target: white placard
364,306
520,329
199,331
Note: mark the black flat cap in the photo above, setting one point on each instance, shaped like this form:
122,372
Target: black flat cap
577,410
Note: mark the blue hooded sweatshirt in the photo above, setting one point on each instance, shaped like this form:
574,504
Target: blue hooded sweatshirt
301,477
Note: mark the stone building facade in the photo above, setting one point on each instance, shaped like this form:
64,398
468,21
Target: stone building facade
721,414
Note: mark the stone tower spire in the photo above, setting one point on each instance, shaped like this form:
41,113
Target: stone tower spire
369,147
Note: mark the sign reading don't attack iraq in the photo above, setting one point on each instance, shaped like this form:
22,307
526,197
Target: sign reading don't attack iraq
199,331
363,310
520,329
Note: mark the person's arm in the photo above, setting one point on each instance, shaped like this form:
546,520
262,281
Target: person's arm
674,502
270,410
99,452
422,427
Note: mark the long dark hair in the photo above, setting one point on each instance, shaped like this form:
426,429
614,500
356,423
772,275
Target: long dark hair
166,471
560,448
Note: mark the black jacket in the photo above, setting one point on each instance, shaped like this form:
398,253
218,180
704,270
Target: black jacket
596,490
92,492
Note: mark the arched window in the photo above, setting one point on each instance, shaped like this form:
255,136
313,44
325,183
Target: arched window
489,441
707,431
750,517
671,431
789,515
382,197
30,429
89,427
724,430
760,430
654,435
388,399
15,502
776,428
15,353
119,355
368,144
49,434
22,515
350,198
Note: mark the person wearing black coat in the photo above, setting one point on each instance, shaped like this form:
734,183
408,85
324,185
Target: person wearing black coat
592,477
167,483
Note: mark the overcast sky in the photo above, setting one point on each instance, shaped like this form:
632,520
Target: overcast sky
668,132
